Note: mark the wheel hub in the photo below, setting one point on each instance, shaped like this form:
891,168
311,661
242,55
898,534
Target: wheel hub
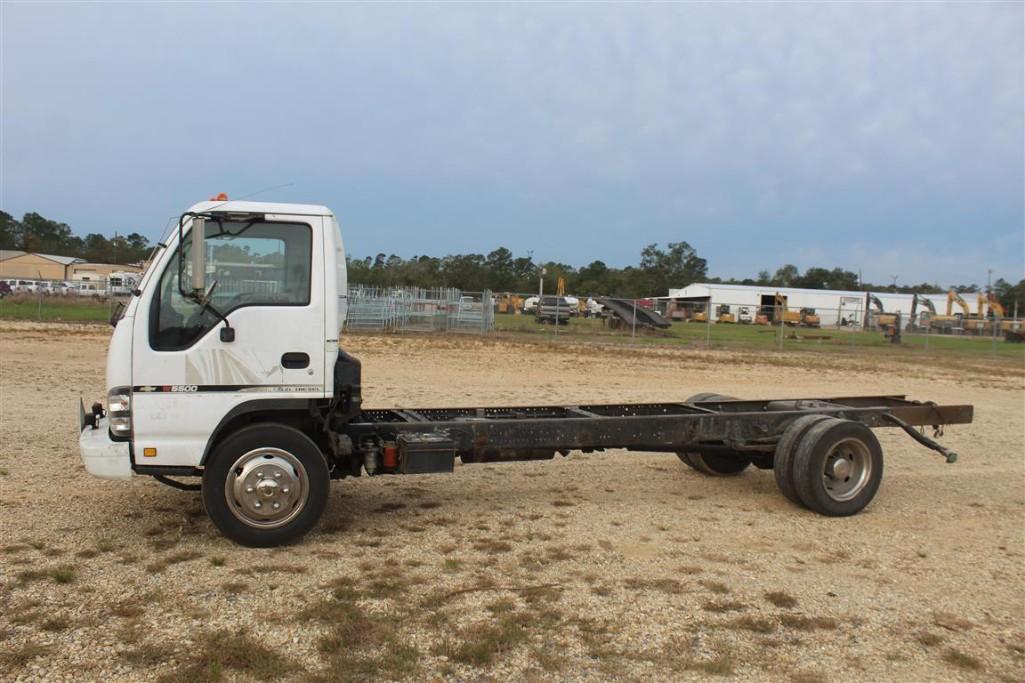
847,470
267,488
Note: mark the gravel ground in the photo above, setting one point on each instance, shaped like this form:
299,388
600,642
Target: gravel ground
626,566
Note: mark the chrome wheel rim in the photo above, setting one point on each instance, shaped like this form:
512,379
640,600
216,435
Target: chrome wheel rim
267,488
846,470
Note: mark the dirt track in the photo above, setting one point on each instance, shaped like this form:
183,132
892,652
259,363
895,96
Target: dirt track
624,566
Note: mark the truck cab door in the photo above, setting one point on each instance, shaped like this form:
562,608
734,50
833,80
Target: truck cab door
188,377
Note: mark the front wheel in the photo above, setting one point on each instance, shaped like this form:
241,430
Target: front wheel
266,485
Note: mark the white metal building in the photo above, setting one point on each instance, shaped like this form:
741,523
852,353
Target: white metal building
831,305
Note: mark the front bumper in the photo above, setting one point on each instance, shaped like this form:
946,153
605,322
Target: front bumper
103,457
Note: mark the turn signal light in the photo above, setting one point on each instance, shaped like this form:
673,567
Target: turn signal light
149,452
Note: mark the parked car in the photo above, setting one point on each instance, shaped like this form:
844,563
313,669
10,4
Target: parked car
5,289
89,289
553,309
530,304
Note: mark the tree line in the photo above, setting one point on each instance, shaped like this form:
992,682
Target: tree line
44,236
657,269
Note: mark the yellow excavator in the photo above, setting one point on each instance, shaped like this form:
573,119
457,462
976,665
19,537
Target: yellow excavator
508,303
920,320
950,321
881,319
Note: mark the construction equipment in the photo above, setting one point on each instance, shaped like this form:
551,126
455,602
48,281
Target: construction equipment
950,322
744,316
809,318
724,315
247,388
920,320
882,320
700,314
508,303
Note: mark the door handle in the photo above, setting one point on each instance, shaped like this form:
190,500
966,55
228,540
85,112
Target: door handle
295,360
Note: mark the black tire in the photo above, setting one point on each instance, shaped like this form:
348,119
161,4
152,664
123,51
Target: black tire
718,464
291,460
714,465
827,446
783,459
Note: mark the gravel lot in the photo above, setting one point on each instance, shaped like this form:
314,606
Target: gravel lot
624,566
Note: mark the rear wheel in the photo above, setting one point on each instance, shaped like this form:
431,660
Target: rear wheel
725,464
265,485
783,459
837,467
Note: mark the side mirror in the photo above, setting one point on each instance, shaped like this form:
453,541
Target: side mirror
198,236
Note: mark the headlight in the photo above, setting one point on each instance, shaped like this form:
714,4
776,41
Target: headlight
119,411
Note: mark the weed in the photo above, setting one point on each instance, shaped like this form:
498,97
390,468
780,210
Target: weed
723,606
929,639
715,586
56,624
781,599
223,651
961,660
951,622
177,558
429,505
127,609
390,507
452,565
37,545
234,587
671,586
754,624
562,503
217,561
492,547
19,657
808,677
146,655
64,575
802,623
87,554
480,646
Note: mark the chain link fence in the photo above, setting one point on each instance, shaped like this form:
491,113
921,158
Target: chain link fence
745,325
415,309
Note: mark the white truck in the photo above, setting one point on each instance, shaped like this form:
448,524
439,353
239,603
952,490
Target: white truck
225,365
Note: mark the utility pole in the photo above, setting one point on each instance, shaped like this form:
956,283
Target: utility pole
894,281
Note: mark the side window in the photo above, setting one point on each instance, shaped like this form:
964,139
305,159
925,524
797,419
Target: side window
254,264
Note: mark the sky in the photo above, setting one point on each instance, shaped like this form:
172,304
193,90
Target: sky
885,138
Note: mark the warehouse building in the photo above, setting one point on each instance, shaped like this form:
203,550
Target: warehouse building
27,265
834,307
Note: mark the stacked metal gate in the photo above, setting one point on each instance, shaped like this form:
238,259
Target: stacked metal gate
415,309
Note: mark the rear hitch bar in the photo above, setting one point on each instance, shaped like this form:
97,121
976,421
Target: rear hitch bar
921,438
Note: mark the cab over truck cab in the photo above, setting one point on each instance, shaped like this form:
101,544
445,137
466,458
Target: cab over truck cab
225,365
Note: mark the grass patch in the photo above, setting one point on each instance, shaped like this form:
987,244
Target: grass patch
803,623
961,660
781,599
951,622
753,624
722,606
715,586
670,586
234,587
55,624
146,655
129,609
928,639
221,652
217,561
481,646
451,565
492,547
177,558
18,657
62,575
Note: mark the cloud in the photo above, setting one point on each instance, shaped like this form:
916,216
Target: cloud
750,130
